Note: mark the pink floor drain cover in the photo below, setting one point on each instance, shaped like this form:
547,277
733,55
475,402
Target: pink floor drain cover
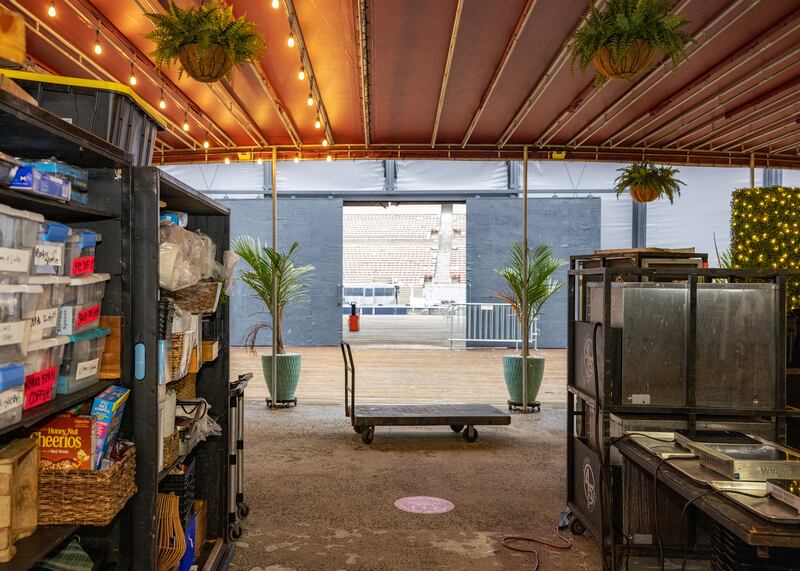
424,505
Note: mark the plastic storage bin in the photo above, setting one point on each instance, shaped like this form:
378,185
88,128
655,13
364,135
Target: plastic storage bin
82,300
12,377
82,359
45,319
8,169
17,308
79,254
18,231
41,370
49,253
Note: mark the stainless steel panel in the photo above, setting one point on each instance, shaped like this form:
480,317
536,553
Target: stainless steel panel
763,505
750,462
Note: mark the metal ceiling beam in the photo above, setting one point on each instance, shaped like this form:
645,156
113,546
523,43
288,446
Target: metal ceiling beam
756,133
659,72
794,145
362,33
501,66
555,66
446,75
294,24
793,132
275,102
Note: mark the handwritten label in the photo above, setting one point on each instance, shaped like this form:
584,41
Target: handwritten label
88,315
45,318
12,260
10,399
87,369
39,387
48,255
81,266
12,333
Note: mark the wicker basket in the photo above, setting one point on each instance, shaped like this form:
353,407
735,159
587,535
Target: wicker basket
166,313
171,446
86,497
203,297
638,59
176,356
186,388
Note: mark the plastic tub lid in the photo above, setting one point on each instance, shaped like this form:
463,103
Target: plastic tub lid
47,343
85,238
90,279
11,375
8,211
56,232
48,280
88,335
20,288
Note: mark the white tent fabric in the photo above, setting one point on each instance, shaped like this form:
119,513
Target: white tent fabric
791,178
219,177
335,175
452,175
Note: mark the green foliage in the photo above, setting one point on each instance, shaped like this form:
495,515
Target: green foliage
540,285
267,264
646,174
621,23
211,23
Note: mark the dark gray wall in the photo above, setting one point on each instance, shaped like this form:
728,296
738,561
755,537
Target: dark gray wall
568,225
317,225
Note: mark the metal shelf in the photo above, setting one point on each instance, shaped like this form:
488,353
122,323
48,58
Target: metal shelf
53,210
33,549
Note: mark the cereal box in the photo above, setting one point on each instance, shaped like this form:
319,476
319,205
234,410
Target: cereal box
66,442
107,409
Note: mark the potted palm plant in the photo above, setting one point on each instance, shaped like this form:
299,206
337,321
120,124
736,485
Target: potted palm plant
622,39
647,182
542,264
206,40
267,264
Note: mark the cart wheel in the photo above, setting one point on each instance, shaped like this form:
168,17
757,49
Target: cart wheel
456,427
368,435
243,510
359,429
235,531
471,434
576,526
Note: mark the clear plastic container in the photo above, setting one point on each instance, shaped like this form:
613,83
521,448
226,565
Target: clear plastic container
42,366
79,253
82,300
17,308
12,377
48,255
18,230
82,359
45,320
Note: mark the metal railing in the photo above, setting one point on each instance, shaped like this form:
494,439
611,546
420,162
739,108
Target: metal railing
494,323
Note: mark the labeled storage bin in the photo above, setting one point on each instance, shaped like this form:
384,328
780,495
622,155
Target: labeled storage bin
18,231
49,252
82,358
45,319
12,377
79,254
41,370
18,304
82,301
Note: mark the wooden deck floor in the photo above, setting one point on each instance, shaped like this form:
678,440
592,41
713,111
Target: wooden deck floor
394,375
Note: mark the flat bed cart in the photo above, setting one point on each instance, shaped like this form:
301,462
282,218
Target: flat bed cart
459,417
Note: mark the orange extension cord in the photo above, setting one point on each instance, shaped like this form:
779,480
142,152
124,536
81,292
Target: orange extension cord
509,538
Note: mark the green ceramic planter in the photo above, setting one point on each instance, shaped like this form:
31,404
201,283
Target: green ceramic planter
288,375
512,371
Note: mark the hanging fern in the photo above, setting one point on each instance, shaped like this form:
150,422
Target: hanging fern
647,182
208,25
622,25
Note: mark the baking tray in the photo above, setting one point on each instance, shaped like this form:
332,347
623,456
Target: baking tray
765,507
654,443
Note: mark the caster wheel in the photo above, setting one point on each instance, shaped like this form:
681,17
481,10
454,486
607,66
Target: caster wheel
359,429
235,531
243,510
456,427
368,435
576,526
471,434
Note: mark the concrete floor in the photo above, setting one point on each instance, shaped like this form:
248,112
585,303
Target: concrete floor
322,500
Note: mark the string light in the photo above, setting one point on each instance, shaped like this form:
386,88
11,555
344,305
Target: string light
310,100
301,75
185,121
132,78
51,11
259,161
329,158
227,160
276,4
297,158
290,41
98,49
205,143
317,123
325,142
161,103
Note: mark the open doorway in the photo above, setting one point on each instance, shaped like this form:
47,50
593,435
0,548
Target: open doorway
404,266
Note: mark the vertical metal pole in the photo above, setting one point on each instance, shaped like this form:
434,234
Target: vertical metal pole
525,316
275,318
752,170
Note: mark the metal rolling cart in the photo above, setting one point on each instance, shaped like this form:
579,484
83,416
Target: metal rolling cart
237,507
615,387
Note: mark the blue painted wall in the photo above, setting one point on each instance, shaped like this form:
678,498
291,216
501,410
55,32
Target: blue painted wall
568,225
317,225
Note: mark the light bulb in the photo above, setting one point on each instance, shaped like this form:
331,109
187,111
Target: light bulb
302,73
227,161
51,11
162,104
98,49
317,123
185,125
329,158
276,4
132,79
259,161
325,142
205,144
310,100
296,160
290,41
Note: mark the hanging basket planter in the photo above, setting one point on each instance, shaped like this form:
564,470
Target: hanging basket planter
647,182
644,193
635,61
205,65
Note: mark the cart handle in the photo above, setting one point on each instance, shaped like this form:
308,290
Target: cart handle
349,381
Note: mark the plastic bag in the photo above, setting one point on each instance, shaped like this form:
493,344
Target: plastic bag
230,261
212,269
193,414
180,257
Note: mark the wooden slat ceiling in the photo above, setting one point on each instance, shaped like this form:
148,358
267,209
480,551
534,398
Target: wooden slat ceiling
509,84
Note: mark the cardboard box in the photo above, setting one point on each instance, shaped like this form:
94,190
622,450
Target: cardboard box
32,180
108,408
210,350
66,442
12,39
